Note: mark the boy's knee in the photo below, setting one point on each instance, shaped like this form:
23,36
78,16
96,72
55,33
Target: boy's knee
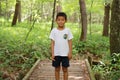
64,69
57,69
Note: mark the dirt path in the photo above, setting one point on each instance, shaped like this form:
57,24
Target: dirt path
44,71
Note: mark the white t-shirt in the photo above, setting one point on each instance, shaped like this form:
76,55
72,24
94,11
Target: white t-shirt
61,37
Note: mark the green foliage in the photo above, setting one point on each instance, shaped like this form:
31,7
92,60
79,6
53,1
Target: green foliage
111,69
16,55
95,44
108,1
66,4
44,0
95,6
71,7
115,57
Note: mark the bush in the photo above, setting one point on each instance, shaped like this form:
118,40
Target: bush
97,45
110,71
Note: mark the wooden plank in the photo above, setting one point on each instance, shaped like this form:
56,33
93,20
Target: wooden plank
89,70
31,70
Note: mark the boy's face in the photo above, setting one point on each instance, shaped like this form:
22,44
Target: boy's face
60,21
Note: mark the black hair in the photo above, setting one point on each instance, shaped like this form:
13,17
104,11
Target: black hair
61,14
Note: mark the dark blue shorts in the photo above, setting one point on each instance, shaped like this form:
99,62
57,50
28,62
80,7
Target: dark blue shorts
59,60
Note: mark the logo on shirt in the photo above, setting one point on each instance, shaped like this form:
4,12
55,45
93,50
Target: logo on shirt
65,36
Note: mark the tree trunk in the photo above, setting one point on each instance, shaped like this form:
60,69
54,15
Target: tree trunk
19,12
16,13
90,19
59,8
106,20
83,19
115,27
53,15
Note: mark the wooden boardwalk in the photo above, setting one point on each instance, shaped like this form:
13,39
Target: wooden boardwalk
44,71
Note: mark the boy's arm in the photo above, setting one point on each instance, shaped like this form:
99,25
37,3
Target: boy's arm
70,48
52,49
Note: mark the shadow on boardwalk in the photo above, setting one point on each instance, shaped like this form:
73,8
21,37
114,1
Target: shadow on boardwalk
44,71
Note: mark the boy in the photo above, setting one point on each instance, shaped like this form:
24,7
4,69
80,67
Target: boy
61,46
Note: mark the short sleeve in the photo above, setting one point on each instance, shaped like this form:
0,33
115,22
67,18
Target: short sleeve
52,35
70,36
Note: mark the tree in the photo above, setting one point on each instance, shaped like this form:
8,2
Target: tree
106,19
58,7
17,12
83,19
53,14
115,27
90,19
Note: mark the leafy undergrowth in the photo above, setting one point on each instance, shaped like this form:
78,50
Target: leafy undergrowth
18,55
109,70
16,62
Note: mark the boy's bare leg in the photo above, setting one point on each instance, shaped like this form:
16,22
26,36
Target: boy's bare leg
57,73
65,73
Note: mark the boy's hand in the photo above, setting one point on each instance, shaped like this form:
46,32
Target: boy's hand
53,58
70,56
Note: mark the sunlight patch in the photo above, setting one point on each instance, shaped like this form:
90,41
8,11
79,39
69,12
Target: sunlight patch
74,77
